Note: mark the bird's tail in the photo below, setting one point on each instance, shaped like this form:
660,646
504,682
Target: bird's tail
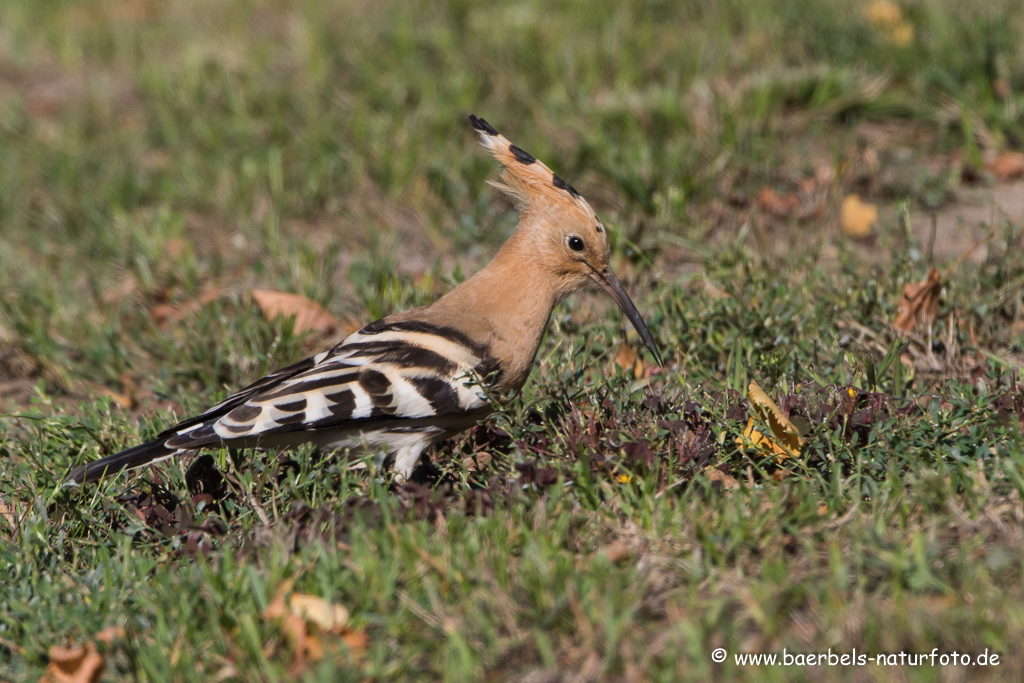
137,456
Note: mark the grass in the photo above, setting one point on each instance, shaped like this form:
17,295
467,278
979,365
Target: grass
606,524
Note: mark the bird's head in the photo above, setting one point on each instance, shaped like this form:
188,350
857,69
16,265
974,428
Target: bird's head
566,237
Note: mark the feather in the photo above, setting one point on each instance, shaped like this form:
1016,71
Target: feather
386,377
417,377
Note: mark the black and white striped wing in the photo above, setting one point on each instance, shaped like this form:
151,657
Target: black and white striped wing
383,374
187,435
239,397
389,376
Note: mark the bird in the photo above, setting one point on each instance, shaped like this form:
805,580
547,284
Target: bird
420,376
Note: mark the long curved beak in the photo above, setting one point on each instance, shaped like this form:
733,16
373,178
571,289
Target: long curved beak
606,278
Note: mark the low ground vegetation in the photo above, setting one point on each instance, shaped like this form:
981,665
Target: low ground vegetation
160,163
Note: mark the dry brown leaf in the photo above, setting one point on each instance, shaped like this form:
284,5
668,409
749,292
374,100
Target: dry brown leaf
627,358
10,514
161,314
129,387
649,371
109,635
1006,165
164,313
781,206
857,217
351,326
617,551
294,629
175,247
784,440
714,474
476,462
919,303
355,641
82,664
122,290
714,291
126,400
309,315
305,619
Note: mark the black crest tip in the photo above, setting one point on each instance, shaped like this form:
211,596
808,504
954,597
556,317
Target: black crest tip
562,185
482,125
524,157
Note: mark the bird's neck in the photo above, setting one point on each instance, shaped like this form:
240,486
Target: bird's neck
512,298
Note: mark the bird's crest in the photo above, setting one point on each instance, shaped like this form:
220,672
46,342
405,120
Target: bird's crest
535,187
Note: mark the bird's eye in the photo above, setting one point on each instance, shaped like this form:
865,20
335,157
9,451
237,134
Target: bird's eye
575,243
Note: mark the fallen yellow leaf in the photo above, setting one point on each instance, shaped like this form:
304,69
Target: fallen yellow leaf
784,440
887,18
857,217
307,621
902,34
326,615
883,14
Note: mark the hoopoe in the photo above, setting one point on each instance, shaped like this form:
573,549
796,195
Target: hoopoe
415,378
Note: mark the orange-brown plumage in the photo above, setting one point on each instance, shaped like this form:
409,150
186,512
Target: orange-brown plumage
420,376
507,304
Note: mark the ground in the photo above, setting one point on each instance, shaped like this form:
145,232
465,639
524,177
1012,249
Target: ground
617,521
